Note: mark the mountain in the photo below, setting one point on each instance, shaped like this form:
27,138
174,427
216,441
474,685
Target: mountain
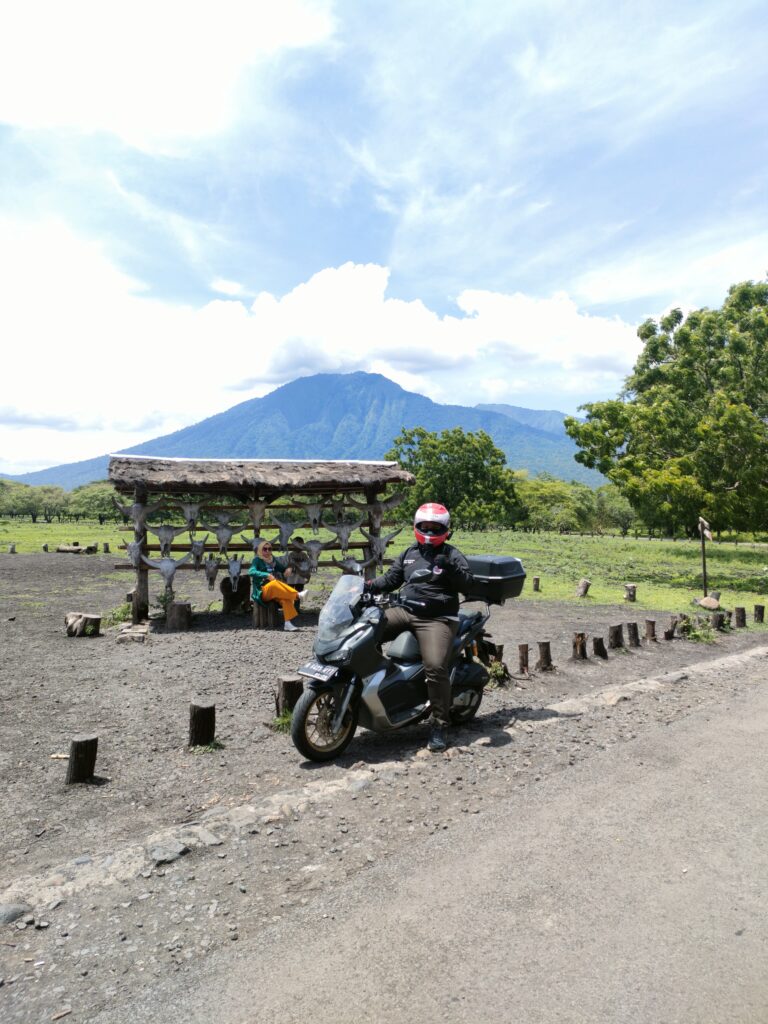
340,416
548,420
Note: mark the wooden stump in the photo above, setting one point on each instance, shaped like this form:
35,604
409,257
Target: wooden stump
82,624
536,584
650,630
69,549
729,618
615,637
583,588
202,722
289,689
522,659
544,664
598,647
236,600
630,591
740,618
759,613
45,547
106,547
579,646
82,759
178,617
669,634
633,634
718,620
267,615
11,549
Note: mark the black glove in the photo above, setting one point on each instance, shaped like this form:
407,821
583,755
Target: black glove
441,563
367,586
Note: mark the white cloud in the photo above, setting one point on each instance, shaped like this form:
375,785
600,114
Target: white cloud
86,344
151,73
225,287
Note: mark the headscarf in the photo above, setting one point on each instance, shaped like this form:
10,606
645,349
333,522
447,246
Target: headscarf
260,549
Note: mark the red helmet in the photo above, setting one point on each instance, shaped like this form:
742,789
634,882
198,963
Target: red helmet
439,519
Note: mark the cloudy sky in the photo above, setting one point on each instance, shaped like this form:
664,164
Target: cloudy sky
480,199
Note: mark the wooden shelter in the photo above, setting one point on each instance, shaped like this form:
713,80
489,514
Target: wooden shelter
238,484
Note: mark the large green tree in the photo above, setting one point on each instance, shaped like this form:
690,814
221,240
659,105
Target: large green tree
464,471
689,435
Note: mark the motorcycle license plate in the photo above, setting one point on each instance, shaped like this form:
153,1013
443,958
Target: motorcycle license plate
316,670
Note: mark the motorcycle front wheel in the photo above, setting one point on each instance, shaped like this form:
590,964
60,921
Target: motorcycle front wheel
466,705
312,726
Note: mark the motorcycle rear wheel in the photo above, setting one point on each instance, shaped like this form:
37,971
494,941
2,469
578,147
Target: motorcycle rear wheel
466,705
312,726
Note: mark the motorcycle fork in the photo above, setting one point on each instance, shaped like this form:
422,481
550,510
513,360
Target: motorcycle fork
346,698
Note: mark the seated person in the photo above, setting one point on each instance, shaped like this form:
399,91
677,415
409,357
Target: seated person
267,578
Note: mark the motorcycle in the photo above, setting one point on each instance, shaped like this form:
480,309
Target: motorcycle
352,682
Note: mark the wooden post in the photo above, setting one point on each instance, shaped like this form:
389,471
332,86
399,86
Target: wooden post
178,617
759,613
289,689
202,722
370,571
522,657
106,547
579,646
267,615
718,620
729,618
82,624
140,610
650,630
82,759
740,618
615,637
45,547
633,634
583,587
544,664
630,591
536,584
598,647
669,634
703,531
11,549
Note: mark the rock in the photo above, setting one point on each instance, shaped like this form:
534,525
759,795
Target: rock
710,603
168,851
9,912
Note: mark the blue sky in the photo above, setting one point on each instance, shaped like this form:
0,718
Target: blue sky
480,200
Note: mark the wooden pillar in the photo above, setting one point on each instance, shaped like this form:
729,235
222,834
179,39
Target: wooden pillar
630,591
371,494
669,634
633,634
616,637
11,549
267,615
579,646
718,620
45,547
178,617
740,618
759,613
544,664
82,759
598,647
202,722
140,610
650,630
106,547
289,689
536,584
522,658
583,588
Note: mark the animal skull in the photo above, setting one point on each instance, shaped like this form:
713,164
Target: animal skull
165,534
377,509
198,550
379,544
257,509
133,548
286,530
343,531
315,515
313,549
337,507
351,566
234,568
224,534
211,566
190,512
138,513
167,568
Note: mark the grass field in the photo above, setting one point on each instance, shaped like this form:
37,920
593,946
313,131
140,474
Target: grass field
668,573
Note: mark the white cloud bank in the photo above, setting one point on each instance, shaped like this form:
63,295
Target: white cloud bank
86,346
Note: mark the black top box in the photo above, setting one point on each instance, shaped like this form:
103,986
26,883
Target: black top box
497,578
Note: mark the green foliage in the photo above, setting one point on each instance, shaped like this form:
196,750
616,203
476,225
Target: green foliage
122,613
550,504
689,434
282,722
464,471
94,501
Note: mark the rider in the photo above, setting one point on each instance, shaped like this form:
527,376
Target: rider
429,605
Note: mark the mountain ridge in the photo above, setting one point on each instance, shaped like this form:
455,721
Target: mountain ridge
339,416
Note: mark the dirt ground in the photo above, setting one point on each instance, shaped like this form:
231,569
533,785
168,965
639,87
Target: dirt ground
263,831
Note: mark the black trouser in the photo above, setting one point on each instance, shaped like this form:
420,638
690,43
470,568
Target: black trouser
435,637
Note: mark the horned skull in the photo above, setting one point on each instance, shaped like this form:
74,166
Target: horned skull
190,511
234,568
343,531
198,550
224,534
379,544
133,547
211,566
166,534
138,512
286,530
167,568
315,515
313,549
257,510
377,509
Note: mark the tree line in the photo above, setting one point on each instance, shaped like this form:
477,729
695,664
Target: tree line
47,503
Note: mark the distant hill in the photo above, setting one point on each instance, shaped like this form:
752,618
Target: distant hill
343,416
548,420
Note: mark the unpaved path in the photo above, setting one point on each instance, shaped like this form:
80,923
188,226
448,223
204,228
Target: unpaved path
277,849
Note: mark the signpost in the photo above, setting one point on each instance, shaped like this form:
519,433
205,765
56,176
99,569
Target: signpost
705,536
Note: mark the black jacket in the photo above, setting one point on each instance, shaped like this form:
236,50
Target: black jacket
433,596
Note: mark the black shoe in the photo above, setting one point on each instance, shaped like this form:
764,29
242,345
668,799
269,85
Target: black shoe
438,739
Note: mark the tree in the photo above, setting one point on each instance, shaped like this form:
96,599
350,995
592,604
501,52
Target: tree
552,504
688,435
464,471
94,501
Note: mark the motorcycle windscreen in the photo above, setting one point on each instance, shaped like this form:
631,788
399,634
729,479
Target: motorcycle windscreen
336,615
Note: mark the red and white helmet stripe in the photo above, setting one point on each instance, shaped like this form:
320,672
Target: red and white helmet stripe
432,512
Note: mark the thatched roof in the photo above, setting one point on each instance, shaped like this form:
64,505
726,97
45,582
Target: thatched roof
251,478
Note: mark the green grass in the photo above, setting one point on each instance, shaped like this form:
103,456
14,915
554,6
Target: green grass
30,537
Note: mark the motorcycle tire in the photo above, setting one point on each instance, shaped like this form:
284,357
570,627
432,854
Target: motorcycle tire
466,705
310,726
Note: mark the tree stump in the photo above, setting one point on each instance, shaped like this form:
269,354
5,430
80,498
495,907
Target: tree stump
82,759
740,618
633,634
598,647
267,615
289,689
237,600
759,613
82,624
729,618
718,620
45,547
536,584
69,549
522,659
669,634
202,722
615,637
105,546
11,549
630,591
583,588
178,617
650,630
579,646
544,664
